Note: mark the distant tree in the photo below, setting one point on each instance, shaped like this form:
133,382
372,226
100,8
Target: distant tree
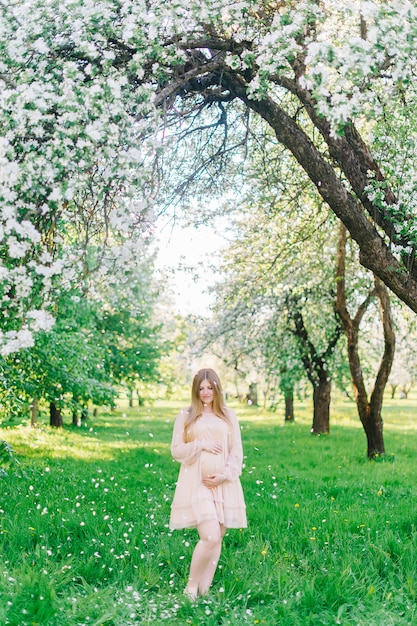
281,365
316,361
232,342
103,338
369,409
65,367
133,348
274,316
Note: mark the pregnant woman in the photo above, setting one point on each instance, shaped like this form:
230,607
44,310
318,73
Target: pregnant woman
206,441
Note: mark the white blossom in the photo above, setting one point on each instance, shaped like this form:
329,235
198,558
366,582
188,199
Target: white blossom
12,341
40,320
49,270
17,249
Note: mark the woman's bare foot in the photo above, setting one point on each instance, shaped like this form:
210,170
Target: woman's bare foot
190,593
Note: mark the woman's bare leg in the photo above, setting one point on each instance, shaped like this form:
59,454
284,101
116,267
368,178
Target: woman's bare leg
208,575
205,557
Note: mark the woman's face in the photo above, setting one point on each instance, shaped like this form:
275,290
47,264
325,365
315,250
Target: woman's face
206,392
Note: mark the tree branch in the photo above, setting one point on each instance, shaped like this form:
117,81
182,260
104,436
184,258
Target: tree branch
375,254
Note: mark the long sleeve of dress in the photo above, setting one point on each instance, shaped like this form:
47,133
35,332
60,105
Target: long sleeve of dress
233,468
181,451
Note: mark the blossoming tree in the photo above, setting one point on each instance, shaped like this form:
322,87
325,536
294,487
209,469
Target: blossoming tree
88,88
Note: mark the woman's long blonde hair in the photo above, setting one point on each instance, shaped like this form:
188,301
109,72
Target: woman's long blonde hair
196,408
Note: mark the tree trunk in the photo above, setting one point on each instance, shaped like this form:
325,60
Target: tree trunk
405,391
266,395
252,395
321,412
289,406
373,426
315,365
55,415
369,410
34,411
75,420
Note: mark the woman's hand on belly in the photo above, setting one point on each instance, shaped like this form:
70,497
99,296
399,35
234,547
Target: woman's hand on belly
211,446
214,480
211,464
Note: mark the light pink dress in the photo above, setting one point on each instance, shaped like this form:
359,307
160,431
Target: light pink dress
193,502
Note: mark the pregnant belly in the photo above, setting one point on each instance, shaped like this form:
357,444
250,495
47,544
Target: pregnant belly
211,463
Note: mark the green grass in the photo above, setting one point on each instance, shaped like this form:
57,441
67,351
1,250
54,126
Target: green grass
332,537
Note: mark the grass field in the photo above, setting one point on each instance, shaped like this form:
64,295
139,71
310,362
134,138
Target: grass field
332,537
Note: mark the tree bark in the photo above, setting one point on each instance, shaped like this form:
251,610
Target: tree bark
321,411
369,410
289,406
55,416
